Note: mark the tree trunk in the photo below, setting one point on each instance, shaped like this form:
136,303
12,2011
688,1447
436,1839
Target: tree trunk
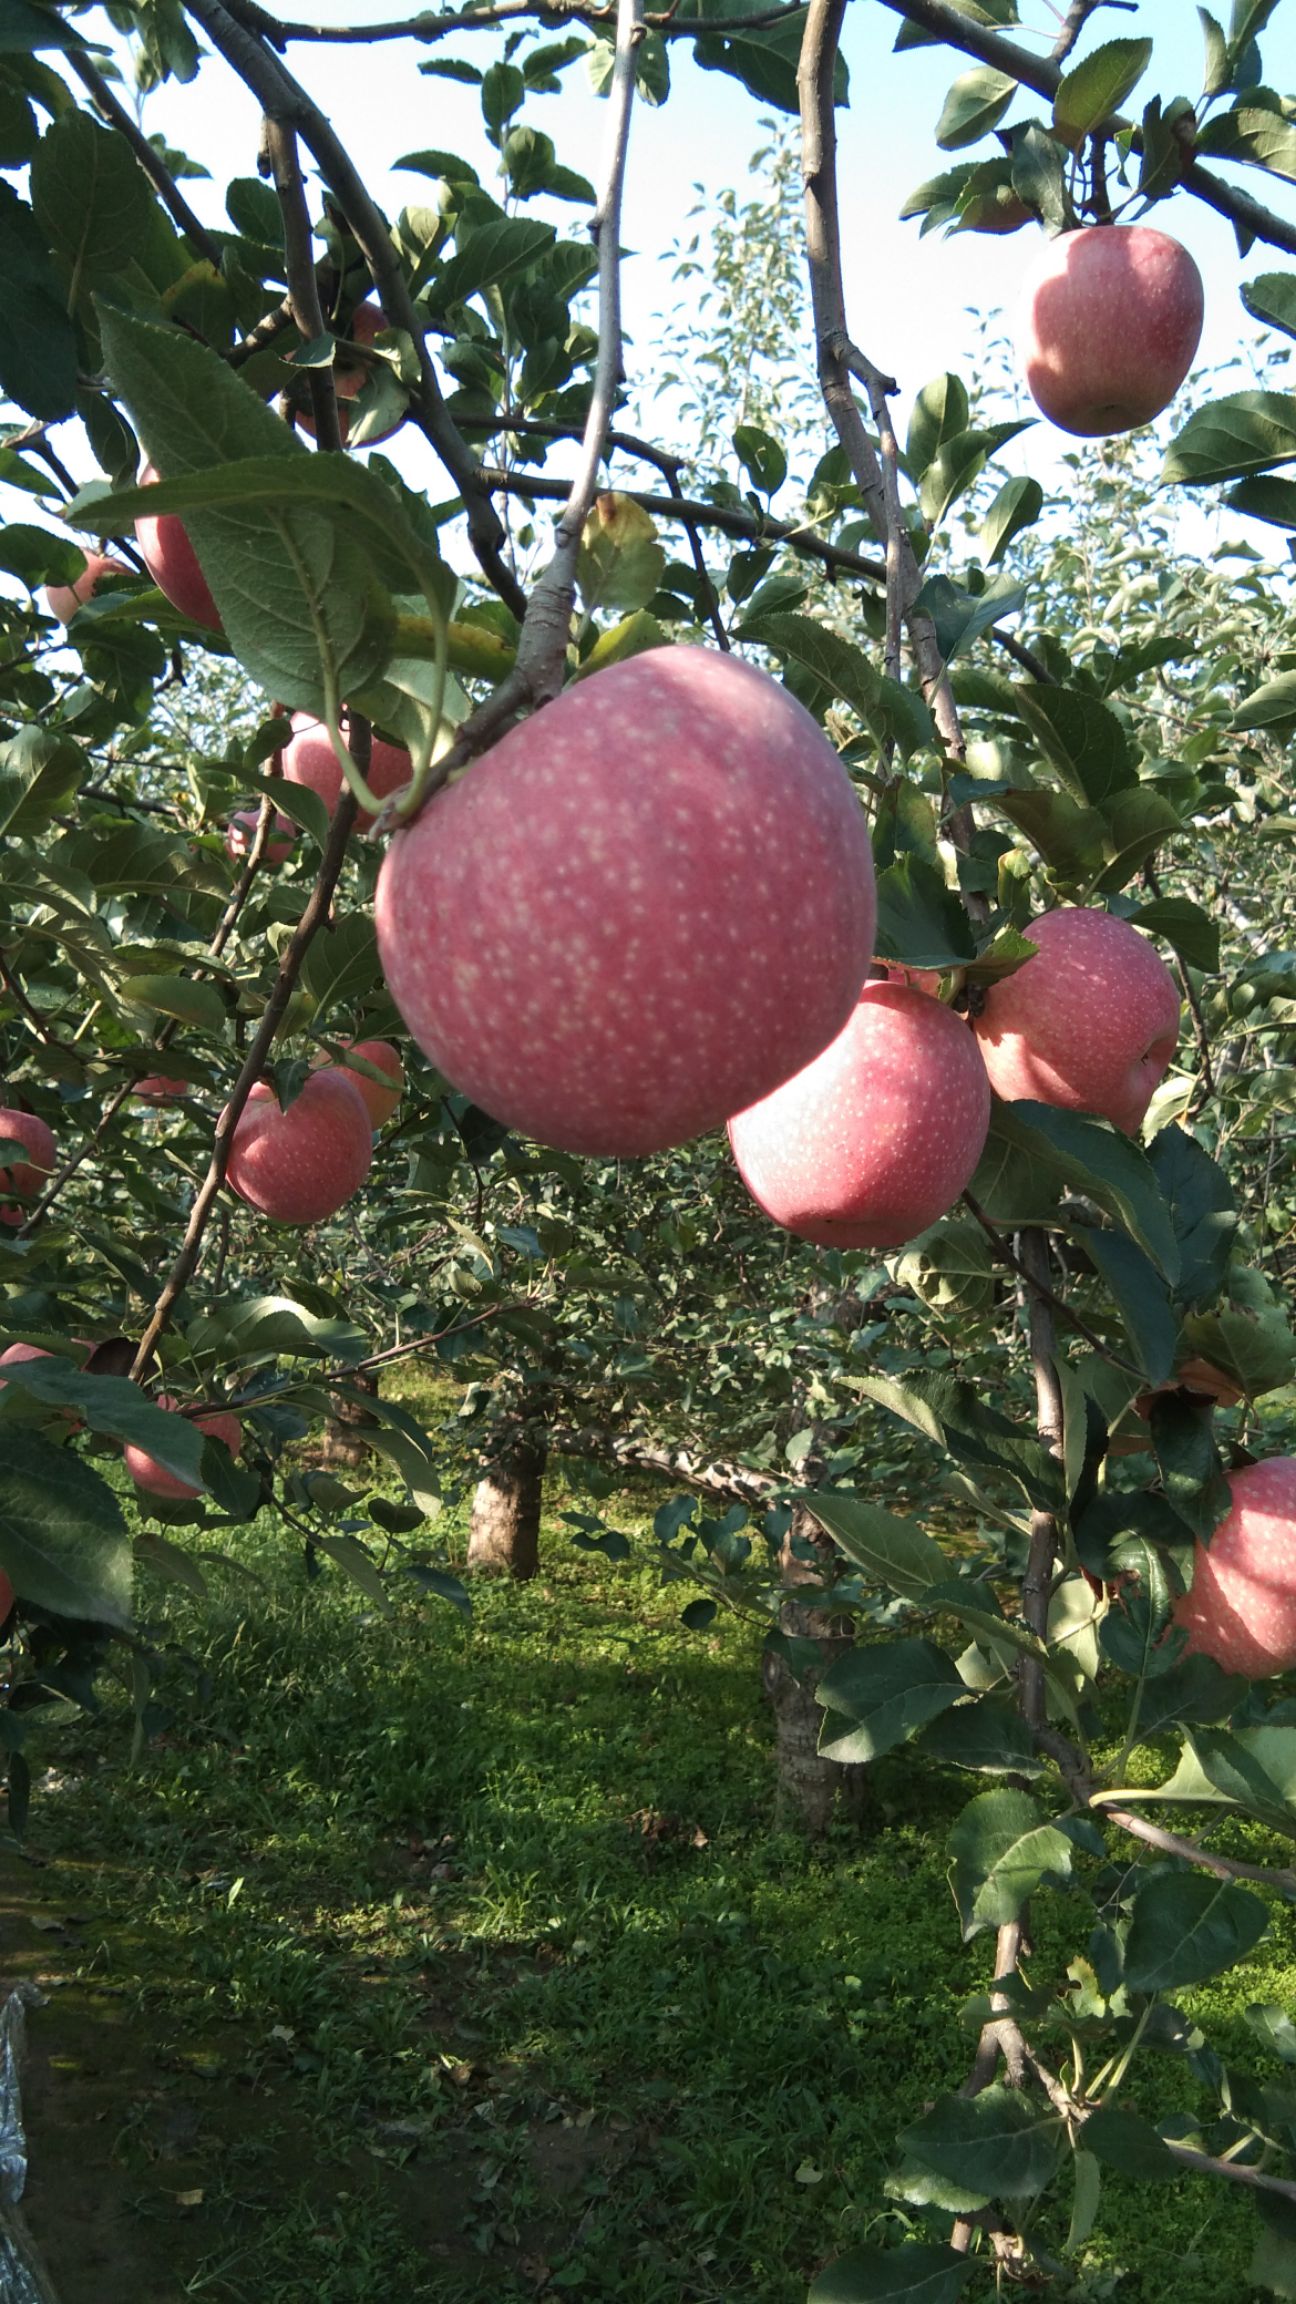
504,1536
808,1787
344,1434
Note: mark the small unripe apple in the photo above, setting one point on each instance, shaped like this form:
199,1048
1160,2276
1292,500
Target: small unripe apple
156,1088
63,600
301,1165
641,911
1242,1606
380,1102
1090,1023
1108,328
240,832
172,561
154,1478
309,758
879,1135
350,377
26,1177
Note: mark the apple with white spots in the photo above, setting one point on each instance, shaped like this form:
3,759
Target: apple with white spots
63,600
641,911
877,1137
153,1478
1089,1023
309,758
1108,327
303,1164
1242,1606
25,1177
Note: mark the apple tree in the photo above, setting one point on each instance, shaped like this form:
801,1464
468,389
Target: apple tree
583,822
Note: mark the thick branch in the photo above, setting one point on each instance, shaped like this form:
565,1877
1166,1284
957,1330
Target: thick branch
311,921
428,28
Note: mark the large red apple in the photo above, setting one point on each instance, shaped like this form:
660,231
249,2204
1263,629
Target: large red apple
350,377
1242,1606
879,1135
301,1165
1089,1023
1108,327
640,912
240,832
154,1478
63,600
309,758
380,1102
172,561
26,1177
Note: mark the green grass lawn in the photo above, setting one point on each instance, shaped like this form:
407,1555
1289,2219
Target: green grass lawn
416,1962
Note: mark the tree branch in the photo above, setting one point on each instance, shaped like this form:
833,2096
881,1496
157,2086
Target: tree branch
429,28
279,149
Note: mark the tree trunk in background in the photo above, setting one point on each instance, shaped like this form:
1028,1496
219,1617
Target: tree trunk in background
504,1535
344,1434
809,1788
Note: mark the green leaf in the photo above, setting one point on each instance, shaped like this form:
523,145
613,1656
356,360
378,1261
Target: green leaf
894,1552
1273,705
40,774
63,1542
1000,2144
180,996
1254,1768
843,668
38,346
25,30
940,413
1121,2140
763,458
1082,740
1140,1296
876,1697
1274,2027
1093,1159
958,463
917,2273
621,559
91,199
488,254
974,105
1186,1927
988,1735
1273,2259
1227,439
1039,174
1092,90
1271,500
765,62
1192,933
1188,1461
1003,1846
1215,75
1202,1210
1271,297
1018,505
342,968
1248,134
256,1327
920,920
960,617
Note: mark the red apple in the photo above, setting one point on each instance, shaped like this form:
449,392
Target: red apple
1108,327
63,600
640,912
172,561
156,1088
380,1102
303,1164
878,1136
14,1352
26,1177
309,758
1089,1023
154,1478
240,832
350,377
1242,1606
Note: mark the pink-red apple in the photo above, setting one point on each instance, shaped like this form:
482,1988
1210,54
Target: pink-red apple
380,1101
26,1177
240,832
1108,328
302,1164
63,600
172,561
309,758
350,376
154,1478
1089,1023
1242,1606
14,1352
640,912
879,1135
156,1088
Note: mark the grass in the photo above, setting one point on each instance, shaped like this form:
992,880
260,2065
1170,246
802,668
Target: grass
503,1982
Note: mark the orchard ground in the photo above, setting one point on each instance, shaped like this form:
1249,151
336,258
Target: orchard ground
414,1960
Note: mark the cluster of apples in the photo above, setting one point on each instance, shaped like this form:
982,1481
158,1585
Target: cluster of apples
152,1477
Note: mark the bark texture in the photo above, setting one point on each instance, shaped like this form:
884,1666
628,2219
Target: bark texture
809,1789
344,1442
504,1534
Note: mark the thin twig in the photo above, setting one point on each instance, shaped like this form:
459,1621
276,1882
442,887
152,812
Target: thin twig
1037,1583
1281,1877
279,147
